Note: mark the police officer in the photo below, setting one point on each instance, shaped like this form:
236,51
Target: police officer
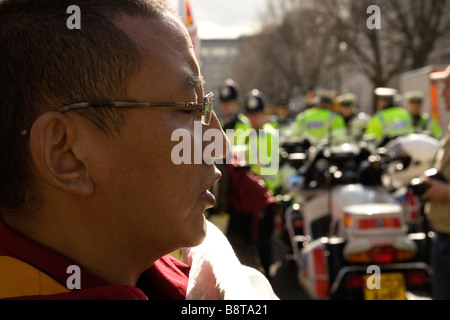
422,121
355,121
319,123
263,155
263,141
229,103
235,124
390,120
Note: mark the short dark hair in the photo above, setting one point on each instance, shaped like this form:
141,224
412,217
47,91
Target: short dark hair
45,65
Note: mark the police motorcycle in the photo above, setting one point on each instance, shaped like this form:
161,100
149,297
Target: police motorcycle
348,233
409,158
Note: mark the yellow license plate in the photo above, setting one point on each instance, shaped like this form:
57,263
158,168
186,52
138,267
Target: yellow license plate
391,287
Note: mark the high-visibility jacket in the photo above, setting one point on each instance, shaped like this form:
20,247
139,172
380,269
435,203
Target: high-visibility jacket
389,123
356,126
236,131
263,152
427,125
320,125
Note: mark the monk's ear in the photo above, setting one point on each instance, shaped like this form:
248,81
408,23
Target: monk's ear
51,144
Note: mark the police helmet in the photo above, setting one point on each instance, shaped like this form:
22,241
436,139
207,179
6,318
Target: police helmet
347,99
383,92
229,91
414,96
255,101
408,157
325,96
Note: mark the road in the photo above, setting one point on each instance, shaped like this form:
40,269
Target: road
284,273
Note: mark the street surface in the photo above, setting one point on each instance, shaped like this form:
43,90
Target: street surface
284,273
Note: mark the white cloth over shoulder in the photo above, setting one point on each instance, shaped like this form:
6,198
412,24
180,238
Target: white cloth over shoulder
217,274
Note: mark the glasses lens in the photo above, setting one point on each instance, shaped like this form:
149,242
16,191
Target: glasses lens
207,108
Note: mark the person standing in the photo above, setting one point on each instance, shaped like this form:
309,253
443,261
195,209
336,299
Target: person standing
355,121
262,138
438,206
422,121
319,124
390,120
261,156
233,121
92,199
229,105
235,124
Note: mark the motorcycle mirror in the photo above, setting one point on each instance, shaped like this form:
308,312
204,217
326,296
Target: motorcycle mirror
297,159
294,183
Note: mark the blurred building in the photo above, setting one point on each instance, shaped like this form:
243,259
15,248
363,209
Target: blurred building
216,58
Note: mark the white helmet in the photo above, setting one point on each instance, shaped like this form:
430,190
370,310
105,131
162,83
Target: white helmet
408,157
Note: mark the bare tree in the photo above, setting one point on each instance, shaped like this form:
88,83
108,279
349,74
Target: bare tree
408,32
374,52
290,55
299,45
421,23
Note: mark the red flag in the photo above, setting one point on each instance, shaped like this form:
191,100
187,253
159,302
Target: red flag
189,19
186,14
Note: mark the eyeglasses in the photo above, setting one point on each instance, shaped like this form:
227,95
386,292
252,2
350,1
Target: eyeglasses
207,107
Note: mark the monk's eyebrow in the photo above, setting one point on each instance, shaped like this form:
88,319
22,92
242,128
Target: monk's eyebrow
195,82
